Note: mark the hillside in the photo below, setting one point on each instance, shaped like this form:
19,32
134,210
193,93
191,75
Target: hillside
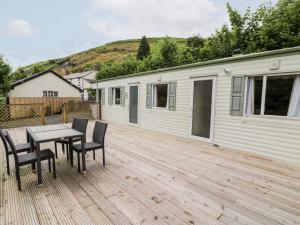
87,60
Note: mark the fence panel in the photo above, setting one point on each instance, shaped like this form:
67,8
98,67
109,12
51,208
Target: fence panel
20,115
88,110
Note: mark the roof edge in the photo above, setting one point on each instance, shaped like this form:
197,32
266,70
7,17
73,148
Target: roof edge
209,62
19,82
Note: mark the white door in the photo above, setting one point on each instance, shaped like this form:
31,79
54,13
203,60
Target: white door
203,108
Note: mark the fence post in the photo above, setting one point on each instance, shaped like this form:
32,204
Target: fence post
65,113
99,111
43,113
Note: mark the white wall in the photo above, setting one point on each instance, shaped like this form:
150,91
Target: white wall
275,137
46,82
83,84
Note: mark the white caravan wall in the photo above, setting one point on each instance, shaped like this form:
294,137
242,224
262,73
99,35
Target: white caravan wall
275,137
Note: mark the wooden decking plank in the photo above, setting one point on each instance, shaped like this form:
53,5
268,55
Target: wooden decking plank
156,197
154,178
148,159
85,201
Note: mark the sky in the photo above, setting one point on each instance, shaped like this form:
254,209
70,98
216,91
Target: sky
36,30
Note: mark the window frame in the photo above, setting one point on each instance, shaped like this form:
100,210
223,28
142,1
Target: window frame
55,94
263,97
154,93
50,93
45,92
114,96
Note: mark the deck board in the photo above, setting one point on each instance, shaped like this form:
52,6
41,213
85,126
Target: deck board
153,178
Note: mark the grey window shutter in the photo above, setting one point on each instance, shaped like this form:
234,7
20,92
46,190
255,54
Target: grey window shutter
103,96
172,96
110,96
149,96
122,89
237,95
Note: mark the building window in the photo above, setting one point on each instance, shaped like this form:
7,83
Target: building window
258,85
273,95
117,96
50,93
55,93
160,95
44,93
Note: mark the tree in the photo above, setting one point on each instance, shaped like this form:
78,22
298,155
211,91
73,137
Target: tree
168,52
195,41
18,74
144,49
5,70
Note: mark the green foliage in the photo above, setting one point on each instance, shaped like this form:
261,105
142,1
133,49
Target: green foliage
168,52
91,94
18,74
5,81
37,69
195,41
144,49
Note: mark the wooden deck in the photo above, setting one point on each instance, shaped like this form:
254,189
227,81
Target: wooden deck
153,178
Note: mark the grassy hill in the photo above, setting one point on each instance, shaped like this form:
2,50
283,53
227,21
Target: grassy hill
87,60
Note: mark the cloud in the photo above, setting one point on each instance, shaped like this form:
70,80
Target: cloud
19,27
133,18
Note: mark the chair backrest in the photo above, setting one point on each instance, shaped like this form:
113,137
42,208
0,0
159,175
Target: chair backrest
80,125
12,146
2,135
99,132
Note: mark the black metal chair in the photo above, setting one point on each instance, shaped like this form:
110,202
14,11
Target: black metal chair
97,142
19,149
77,124
29,158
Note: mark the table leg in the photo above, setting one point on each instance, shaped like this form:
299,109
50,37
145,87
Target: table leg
27,136
32,150
83,154
39,167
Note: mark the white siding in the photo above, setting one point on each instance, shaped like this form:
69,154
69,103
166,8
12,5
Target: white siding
274,137
45,82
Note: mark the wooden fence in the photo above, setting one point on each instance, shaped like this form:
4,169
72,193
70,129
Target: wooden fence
19,115
52,104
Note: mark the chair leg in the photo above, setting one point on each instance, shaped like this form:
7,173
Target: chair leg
49,165
78,160
63,147
54,169
68,147
94,155
18,177
103,153
55,146
7,164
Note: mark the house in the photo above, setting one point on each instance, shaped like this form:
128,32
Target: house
83,81
45,84
249,102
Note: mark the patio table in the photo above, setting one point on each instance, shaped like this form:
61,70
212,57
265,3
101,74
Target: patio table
48,133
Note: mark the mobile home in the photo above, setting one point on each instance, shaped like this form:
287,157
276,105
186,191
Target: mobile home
249,102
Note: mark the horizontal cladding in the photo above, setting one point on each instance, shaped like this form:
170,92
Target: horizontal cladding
273,137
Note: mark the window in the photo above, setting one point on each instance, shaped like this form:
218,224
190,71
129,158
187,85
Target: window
50,93
258,85
55,94
44,93
278,93
117,96
160,95
273,95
